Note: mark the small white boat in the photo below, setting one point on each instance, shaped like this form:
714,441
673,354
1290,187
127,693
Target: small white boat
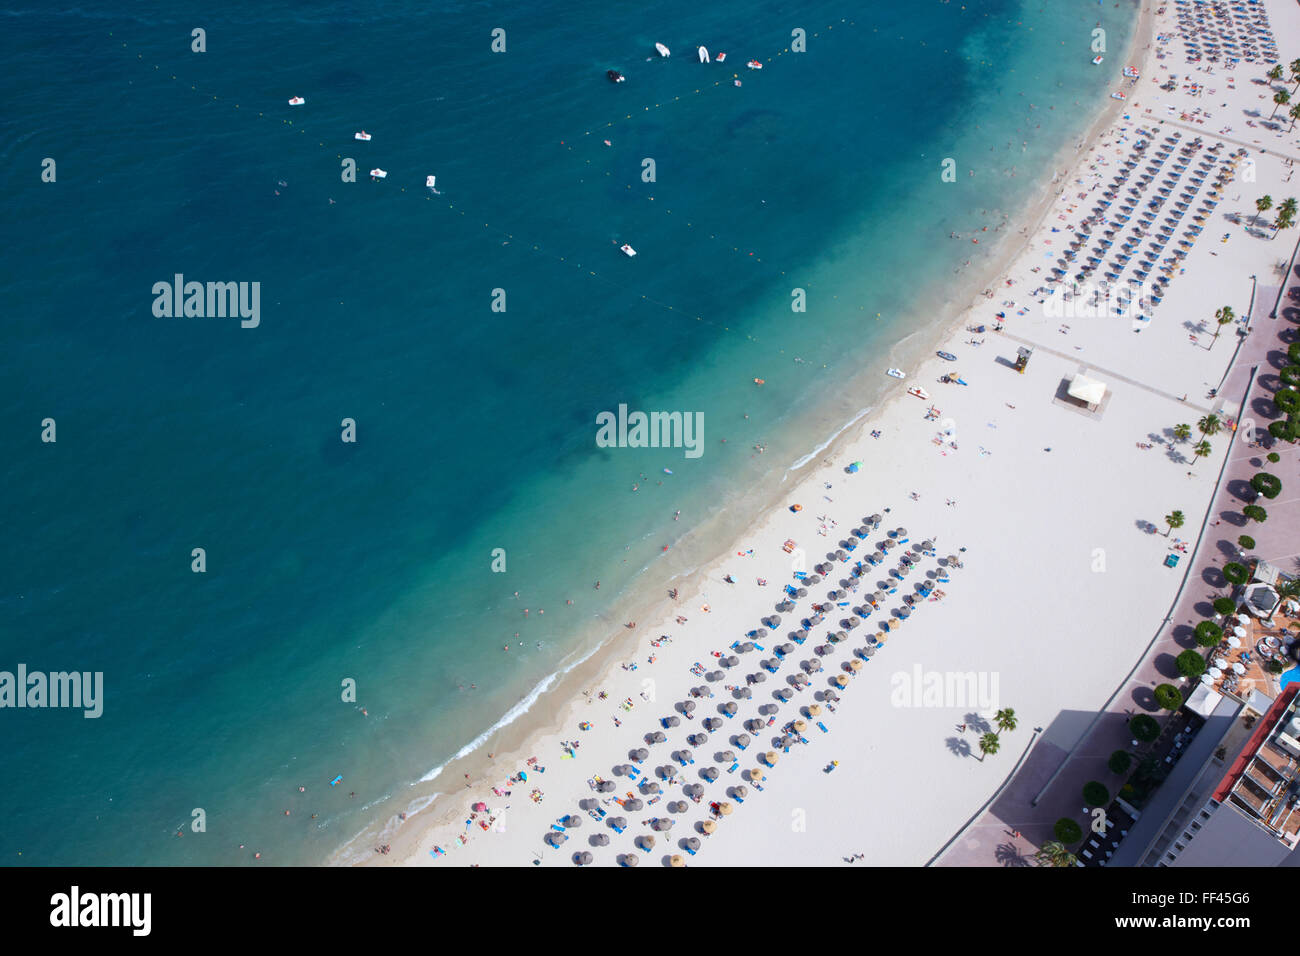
296,101
737,82
432,183
754,65
627,250
1131,72
1096,60
919,392
378,173
704,55
663,50
363,136
720,58
897,373
1118,96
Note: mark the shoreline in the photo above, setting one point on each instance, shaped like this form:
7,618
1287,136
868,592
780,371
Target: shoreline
559,704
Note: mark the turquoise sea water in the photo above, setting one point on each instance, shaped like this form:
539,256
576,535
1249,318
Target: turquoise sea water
373,561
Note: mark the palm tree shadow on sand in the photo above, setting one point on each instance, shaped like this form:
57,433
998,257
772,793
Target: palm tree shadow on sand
959,747
1009,855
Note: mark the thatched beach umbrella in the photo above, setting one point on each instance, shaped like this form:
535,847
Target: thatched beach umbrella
709,773
582,859
633,804
785,693
688,706
725,808
771,757
759,677
708,826
855,666
685,754
630,859
730,707
676,860
672,721
605,786
659,736
729,756
801,592
662,823
842,681
927,545
814,710
646,841
952,561
649,786
788,648
693,843
876,519
555,839
742,740
698,739
601,839
800,726
572,822
712,723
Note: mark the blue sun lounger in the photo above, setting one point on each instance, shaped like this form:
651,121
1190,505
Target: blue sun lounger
557,827
734,767
823,727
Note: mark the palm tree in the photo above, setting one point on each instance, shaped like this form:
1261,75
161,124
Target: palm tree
1174,519
1223,317
1054,854
1263,204
1295,74
988,745
1280,98
1294,113
1182,432
1209,425
1200,450
1285,216
1275,74
1005,719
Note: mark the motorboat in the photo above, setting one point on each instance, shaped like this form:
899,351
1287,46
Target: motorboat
663,50
296,101
896,372
615,76
378,173
363,136
947,355
627,250
704,55
432,183
919,392
720,58
1117,95
1096,60
754,65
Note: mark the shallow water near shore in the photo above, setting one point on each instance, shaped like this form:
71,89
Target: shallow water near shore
374,562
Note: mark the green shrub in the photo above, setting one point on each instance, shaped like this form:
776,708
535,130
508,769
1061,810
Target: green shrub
1208,634
1287,399
1293,352
1270,486
1119,762
1144,726
1169,697
1273,667
1236,573
1279,430
1191,664
1067,831
1255,513
1095,794
1247,542
1290,375
1224,605
1274,457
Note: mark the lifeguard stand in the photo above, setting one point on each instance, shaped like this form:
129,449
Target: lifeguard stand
1022,358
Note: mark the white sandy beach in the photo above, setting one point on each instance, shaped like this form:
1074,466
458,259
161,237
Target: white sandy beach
1060,512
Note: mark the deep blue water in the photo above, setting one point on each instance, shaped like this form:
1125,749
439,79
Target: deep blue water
372,561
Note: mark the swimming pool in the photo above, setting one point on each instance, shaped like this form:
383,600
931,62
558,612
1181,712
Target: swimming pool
1290,677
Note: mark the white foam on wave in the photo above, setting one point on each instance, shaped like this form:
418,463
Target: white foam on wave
510,716
827,443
